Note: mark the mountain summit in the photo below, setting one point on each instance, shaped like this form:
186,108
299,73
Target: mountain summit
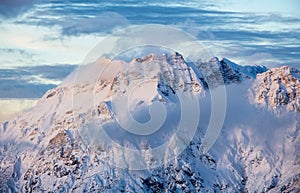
278,88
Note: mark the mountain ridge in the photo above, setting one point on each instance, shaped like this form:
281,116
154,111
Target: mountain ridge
43,148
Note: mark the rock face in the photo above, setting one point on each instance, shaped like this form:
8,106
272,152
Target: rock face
278,88
229,71
44,150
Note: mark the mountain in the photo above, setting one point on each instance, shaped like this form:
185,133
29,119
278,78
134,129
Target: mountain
91,133
231,72
278,88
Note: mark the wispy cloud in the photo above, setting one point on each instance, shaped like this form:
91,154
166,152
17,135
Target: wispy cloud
31,81
230,29
9,108
13,8
103,23
11,55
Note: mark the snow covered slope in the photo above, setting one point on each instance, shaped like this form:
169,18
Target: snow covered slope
278,88
59,146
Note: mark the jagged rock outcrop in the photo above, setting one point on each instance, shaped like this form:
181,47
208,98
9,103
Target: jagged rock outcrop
278,88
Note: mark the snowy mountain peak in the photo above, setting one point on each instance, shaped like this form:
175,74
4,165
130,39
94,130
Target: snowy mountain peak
242,71
229,71
278,88
168,73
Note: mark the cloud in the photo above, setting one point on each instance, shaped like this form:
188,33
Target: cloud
9,108
13,8
16,51
261,58
11,55
103,23
31,81
64,29
57,72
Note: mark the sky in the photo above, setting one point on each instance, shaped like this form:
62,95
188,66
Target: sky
43,41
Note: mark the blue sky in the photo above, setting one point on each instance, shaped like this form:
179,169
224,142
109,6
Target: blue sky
42,41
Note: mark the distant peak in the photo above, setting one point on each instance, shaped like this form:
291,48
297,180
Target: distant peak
284,70
278,88
289,69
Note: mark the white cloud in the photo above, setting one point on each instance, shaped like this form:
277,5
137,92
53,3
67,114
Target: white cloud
265,6
259,58
102,23
12,107
67,50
